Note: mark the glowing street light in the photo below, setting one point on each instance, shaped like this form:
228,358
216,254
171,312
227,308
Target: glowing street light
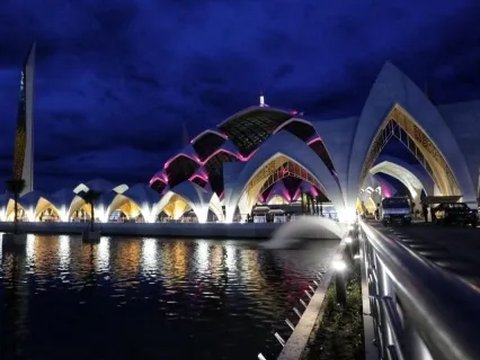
339,265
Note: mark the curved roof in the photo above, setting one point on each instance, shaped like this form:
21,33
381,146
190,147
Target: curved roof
142,194
252,126
298,127
181,167
207,142
317,145
106,199
30,199
61,198
100,185
239,137
214,169
4,198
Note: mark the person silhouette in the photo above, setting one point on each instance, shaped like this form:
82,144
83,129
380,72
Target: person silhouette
425,211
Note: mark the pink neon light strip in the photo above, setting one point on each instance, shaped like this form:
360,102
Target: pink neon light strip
315,139
203,177
216,152
225,137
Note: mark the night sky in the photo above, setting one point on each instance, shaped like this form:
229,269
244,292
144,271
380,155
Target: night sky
116,80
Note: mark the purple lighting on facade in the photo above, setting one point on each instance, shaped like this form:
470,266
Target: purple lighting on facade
216,152
314,140
159,177
206,132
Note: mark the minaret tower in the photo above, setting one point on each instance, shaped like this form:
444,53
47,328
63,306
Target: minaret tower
23,151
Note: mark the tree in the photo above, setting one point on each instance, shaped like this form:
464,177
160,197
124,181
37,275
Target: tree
15,186
90,197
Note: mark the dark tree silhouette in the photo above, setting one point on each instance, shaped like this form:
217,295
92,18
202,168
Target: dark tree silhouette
15,186
90,197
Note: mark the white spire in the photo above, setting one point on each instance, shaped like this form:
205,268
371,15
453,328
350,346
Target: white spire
262,100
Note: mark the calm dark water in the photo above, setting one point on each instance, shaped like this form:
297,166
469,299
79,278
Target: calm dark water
150,298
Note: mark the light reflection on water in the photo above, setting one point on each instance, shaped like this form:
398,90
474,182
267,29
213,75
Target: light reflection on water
153,298
63,252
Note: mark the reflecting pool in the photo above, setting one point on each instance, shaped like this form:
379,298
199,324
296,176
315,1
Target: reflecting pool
145,298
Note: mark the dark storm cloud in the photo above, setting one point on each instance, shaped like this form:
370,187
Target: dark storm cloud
118,80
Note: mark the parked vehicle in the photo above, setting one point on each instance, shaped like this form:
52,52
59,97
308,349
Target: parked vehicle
396,209
277,216
455,212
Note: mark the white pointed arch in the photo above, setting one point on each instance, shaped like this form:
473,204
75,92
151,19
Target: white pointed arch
406,177
256,170
45,204
62,200
188,195
139,199
416,169
395,95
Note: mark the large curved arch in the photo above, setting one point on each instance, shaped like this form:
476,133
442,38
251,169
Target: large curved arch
129,207
395,95
190,195
29,202
416,169
62,200
286,170
274,152
400,125
44,204
407,178
138,199
173,205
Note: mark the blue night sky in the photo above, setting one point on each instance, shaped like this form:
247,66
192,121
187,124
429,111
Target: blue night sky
115,80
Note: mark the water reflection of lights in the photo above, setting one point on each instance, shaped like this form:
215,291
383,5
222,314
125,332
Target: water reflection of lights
30,249
202,256
103,254
230,258
216,263
64,252
149,255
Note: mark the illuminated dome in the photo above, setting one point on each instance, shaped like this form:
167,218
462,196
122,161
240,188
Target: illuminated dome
234,140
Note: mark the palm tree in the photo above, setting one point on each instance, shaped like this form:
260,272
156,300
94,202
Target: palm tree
90,197
15,186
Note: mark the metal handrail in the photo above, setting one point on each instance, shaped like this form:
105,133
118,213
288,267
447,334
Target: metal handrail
439,308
